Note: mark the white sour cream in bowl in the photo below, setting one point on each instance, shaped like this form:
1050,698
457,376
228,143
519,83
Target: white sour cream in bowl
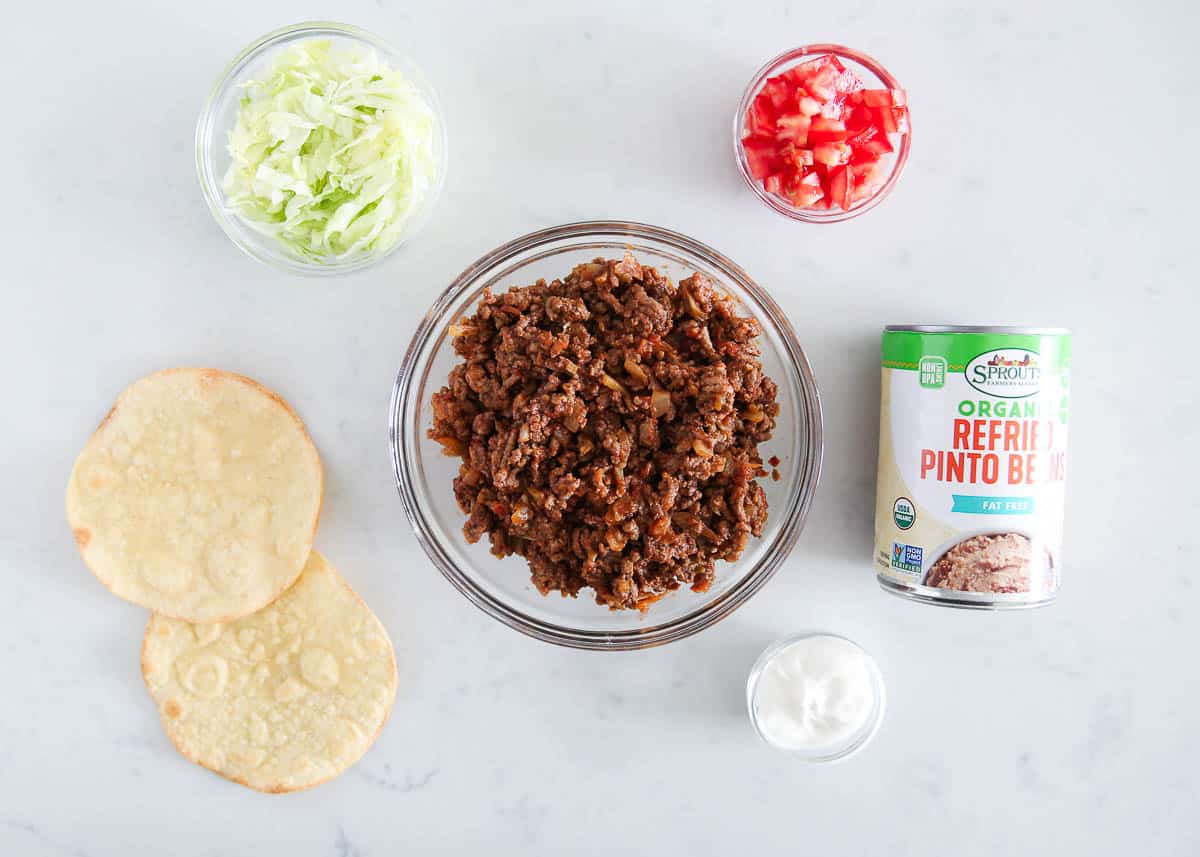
818,696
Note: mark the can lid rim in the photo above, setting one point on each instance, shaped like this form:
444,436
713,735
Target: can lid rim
978,328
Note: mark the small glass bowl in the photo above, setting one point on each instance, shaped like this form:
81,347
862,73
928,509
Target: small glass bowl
875,76
220,114
501,587
835,752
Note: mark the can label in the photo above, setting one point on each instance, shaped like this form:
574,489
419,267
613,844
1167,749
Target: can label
972,466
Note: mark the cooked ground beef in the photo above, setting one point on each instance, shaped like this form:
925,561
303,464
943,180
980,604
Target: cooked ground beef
609,426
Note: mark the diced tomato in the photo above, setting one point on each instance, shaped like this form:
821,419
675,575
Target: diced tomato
826,130
823,173
847,82
761,118
793,127
822,83
804,196
820,76
860,172
881,145
872,149
795,76
893,120
798,74
801,189
884,97
778,90
761,156
808,105
795,157
859,119
886,120
812,66
860,138
832,110
870,173
831,154
861,192
817,138
797,178
867,179
839,187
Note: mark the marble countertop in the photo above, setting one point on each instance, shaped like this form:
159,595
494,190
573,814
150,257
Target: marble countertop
1048,185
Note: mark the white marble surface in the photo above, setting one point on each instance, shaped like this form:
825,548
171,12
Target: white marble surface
1052,182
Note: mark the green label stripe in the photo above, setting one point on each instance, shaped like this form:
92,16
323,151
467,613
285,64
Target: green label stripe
903,349
975,505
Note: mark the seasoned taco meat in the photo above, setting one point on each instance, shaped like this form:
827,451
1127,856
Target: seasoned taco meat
608,425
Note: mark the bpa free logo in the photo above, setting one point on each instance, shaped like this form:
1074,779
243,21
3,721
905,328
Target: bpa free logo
932,372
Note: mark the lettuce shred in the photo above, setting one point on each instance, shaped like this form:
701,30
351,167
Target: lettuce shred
332,152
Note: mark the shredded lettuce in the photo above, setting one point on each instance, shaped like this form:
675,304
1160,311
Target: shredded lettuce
332,152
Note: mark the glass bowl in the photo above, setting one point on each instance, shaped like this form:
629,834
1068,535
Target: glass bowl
220,114
874,76
501,587
839,750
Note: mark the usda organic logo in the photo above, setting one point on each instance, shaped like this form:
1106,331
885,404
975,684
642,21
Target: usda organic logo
904,513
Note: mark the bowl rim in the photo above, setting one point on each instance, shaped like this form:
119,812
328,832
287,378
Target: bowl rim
206,131
795,514
816,215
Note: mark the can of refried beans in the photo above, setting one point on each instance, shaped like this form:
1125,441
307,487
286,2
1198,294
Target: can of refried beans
972,464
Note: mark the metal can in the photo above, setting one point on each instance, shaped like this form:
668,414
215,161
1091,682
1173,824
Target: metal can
972,464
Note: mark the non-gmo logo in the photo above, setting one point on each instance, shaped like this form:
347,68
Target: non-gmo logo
1009,373
907,557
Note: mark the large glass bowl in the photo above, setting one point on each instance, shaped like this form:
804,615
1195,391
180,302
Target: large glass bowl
220,115
501,587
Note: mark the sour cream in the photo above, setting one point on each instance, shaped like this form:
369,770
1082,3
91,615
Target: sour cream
819,695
